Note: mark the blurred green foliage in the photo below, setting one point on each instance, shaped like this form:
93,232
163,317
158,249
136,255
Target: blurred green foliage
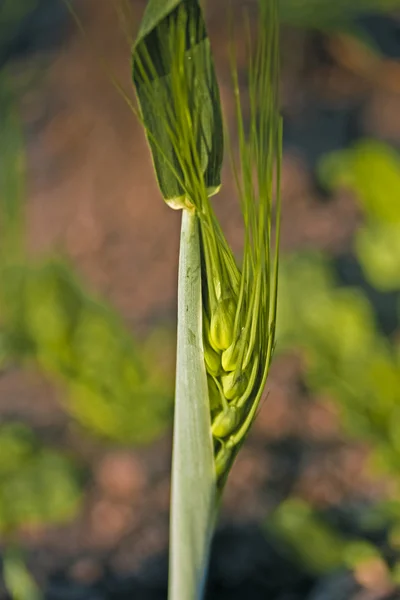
37,484
377,246
294,521
116,388
315,543
18,581
325,14
371,169
113,386
346,356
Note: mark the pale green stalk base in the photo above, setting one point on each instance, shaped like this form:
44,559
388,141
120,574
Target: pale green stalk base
194,495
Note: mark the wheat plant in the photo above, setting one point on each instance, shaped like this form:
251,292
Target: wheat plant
226,309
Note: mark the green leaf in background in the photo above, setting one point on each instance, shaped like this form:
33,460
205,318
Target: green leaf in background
314,543
371,169
113,389
18,581
345,357
333,326
47,317
17,443
38,485
176,86
294,522
53,303
325,14
45,491
377,246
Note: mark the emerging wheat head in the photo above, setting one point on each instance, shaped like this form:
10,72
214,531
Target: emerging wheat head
180,108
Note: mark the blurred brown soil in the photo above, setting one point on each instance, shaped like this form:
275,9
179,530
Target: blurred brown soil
92,195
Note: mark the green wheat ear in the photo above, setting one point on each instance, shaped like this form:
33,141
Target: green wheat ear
246,361
180,108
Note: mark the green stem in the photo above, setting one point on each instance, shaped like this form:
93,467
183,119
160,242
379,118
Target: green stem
194,495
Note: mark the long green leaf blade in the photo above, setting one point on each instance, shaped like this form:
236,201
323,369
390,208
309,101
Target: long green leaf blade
194,496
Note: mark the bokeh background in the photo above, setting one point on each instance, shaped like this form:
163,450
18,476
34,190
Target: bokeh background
88,262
